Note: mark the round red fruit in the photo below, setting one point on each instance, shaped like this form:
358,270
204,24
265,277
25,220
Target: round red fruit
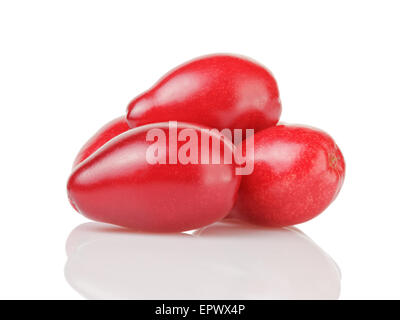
298,172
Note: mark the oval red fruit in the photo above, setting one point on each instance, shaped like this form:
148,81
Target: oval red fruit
219,91
298,172
118,185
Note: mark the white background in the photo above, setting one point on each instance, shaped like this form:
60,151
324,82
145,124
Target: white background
68,67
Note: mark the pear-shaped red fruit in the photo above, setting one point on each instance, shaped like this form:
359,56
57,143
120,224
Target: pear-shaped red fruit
298,172
174,191
219,91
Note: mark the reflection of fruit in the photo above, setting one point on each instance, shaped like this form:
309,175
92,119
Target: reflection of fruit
106,133
222,261
298,172
118,185
219,91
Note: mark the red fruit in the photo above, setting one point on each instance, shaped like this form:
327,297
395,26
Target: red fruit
298,172
219,91
118,185
105,134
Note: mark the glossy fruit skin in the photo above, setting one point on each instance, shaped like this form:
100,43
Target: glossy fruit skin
105,134
218,91
117,185
298,172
